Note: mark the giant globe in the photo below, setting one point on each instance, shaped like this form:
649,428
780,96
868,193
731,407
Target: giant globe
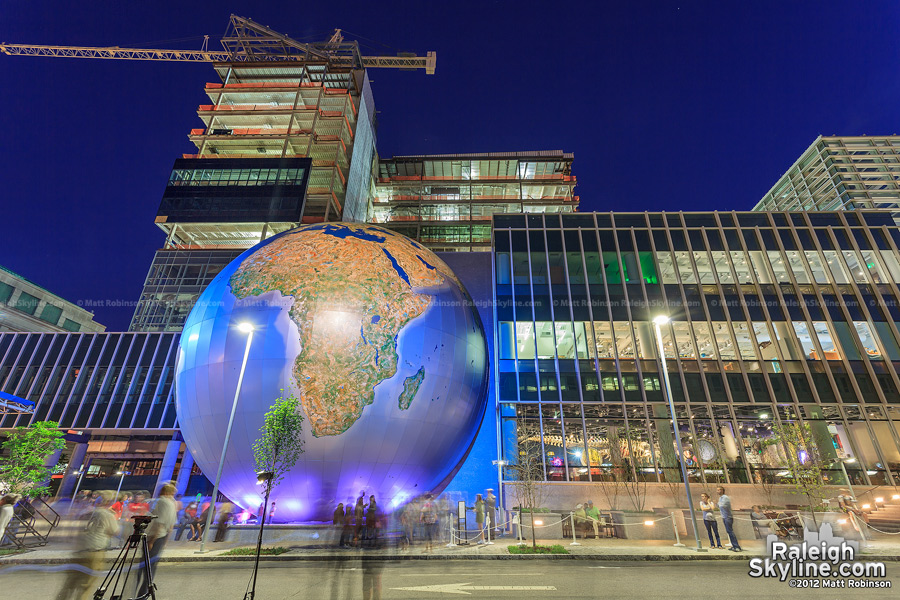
375,336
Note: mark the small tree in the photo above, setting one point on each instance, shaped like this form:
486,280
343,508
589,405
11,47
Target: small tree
275,453
804,462
26,449
528,470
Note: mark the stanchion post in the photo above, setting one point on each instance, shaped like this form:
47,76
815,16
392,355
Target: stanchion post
487,527
574,539
675,527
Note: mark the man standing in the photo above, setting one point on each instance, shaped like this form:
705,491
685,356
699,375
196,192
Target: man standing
490,502
728,518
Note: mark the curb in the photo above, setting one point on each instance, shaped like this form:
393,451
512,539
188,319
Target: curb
431,557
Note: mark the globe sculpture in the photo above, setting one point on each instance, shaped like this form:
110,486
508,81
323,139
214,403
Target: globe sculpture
375,336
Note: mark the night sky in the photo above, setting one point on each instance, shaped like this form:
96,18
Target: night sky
666,105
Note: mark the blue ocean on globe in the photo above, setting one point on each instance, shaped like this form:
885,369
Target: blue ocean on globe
372,332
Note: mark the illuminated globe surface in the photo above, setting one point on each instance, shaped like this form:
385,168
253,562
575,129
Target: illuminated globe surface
377,338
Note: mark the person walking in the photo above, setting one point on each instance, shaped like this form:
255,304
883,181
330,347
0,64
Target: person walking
90,550
709,521
337,523
728,518
166,512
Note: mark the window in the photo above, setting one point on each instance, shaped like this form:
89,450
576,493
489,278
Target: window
70,325
51,314
6,291
27,303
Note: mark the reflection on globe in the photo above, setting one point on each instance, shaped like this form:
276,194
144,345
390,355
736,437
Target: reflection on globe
377,338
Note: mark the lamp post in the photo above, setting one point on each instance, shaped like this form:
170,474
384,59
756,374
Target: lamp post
80,474
847,477
248,329
500,464
264,478
123,473
657,323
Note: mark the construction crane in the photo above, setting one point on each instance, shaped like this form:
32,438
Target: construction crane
245,41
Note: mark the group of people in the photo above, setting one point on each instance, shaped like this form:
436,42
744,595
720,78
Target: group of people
358,523
589,515
709,519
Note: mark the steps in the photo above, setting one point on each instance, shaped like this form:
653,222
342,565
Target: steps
886,518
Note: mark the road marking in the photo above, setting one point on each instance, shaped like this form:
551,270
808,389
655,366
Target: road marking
467,588
476,574
604,567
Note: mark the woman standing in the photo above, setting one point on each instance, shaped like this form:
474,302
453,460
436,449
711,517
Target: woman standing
709,520
479,517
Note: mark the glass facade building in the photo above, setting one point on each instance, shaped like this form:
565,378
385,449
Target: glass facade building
775,317
840,173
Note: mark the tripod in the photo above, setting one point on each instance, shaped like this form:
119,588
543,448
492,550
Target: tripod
122,566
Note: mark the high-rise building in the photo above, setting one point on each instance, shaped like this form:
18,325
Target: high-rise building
445,202
840,173
26,306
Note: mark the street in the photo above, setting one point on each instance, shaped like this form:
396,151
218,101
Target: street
354,579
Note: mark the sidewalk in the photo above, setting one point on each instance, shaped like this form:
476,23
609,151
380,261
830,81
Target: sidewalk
605,549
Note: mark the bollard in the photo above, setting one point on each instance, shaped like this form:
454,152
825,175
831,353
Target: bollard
574,539
675,527
487,528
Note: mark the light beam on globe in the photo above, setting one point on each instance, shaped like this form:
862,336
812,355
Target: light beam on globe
373,333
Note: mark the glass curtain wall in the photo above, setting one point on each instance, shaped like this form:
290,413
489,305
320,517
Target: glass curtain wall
775,318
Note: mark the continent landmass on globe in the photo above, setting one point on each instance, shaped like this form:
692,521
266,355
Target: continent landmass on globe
354,290
411,387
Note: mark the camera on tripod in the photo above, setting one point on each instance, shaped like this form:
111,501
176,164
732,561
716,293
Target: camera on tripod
141,522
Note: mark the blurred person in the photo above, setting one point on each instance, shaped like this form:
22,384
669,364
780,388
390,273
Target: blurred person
90,551
165,510
337,521
758,516
490,501
223,518
118,507
199,523
347,525
479,517
592,513
186,521
580,519
7,505
372,520
359,512
139,506
428,517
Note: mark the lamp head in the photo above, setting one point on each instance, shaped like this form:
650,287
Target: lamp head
661,319
264,476
849,460
245,327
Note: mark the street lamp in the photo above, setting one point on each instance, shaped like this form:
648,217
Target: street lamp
123,473
80,474
247,328
657,323
263,478
847,477
500,464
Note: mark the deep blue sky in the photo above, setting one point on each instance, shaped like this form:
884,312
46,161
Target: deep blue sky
679,105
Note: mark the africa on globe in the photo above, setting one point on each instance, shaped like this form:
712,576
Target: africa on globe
372,332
